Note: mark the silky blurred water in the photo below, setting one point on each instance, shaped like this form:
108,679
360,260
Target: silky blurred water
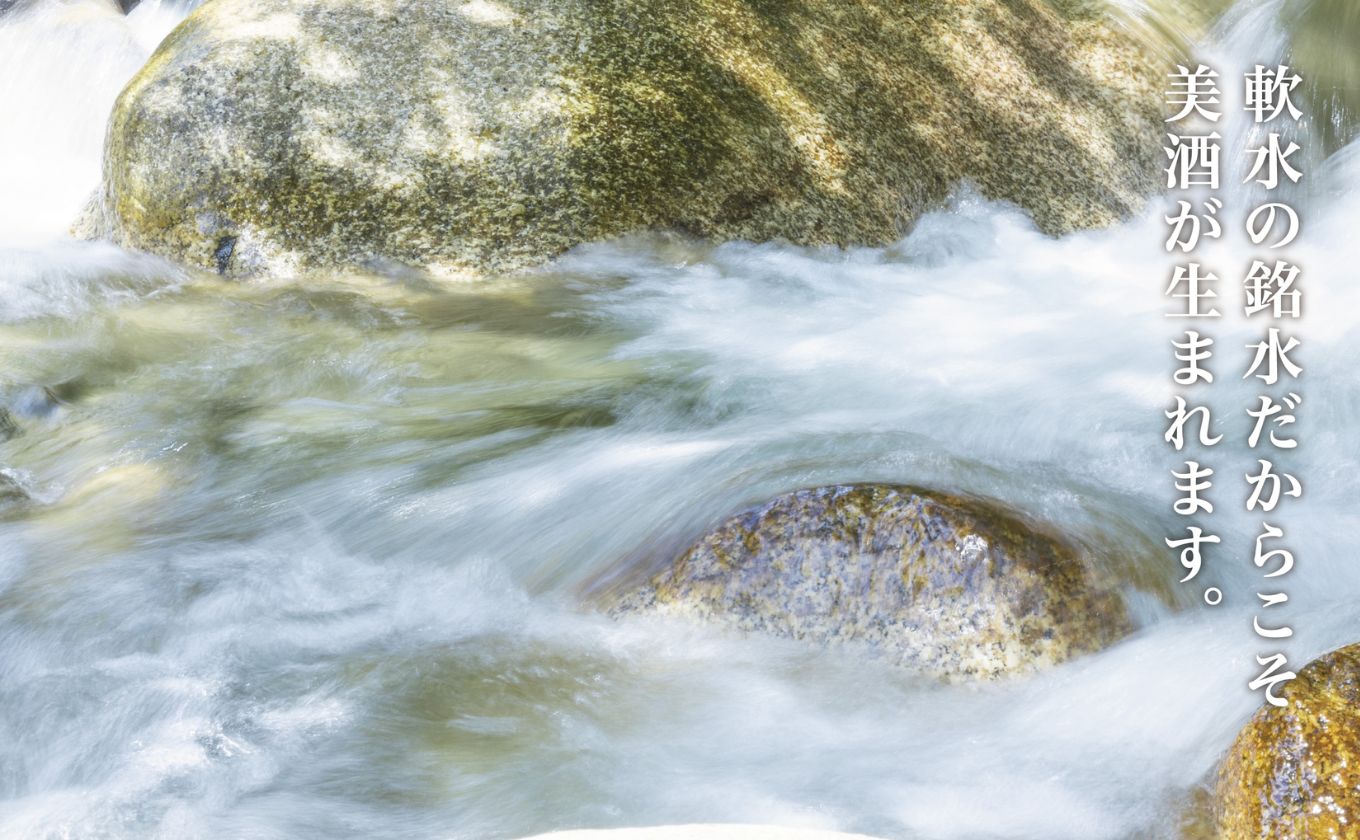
306,558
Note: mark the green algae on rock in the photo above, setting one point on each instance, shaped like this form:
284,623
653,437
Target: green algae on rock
1294,772
953,586
281,135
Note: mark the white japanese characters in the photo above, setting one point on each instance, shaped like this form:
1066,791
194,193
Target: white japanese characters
1271,293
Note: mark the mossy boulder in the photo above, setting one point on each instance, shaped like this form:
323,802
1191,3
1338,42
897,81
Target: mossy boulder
953,586
477,135
1294,771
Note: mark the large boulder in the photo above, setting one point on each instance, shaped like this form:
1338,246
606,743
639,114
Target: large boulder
1294,771
481,135
952,586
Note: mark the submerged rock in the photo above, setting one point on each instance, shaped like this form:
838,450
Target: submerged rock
949,585
12,490
491,134
30,402
1294,772
123,6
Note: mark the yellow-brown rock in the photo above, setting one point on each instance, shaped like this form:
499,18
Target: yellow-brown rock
1294,772
952,586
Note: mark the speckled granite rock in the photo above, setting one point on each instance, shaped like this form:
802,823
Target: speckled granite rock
490,134
952,586
1294,772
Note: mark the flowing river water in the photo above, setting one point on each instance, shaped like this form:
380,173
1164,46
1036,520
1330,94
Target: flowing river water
306,558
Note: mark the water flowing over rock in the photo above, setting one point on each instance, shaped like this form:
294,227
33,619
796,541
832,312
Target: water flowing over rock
949,585
285,135
1322,37
123,6
12,491
1294,772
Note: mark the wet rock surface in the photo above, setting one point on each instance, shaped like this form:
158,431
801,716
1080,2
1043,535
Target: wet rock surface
1294,772
953,586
